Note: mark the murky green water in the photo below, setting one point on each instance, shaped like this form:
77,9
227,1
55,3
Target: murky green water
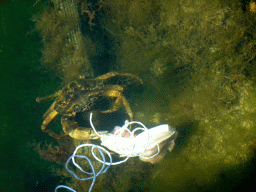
22,77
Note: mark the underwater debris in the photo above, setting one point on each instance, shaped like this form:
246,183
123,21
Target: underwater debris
146,145
150,145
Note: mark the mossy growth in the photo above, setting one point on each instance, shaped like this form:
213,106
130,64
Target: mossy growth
197,60
64,49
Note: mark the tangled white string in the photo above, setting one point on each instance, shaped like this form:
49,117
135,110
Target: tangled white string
125,146
132,146
93,173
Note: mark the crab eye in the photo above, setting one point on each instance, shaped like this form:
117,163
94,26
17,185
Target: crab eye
76,108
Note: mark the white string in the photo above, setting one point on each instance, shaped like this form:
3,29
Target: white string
128,151
94,174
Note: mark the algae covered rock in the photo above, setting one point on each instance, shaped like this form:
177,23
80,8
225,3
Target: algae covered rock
65,51
197,62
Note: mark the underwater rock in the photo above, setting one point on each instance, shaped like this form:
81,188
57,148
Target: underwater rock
197,60
65,47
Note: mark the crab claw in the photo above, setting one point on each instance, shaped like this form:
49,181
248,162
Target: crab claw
81,133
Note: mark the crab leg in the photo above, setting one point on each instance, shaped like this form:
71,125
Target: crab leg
49,97
127,108
113,74
48,119
115,91
50,114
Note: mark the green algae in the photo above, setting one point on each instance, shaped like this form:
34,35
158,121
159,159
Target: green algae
64,49
196,59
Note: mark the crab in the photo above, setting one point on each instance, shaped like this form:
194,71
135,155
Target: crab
80,96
